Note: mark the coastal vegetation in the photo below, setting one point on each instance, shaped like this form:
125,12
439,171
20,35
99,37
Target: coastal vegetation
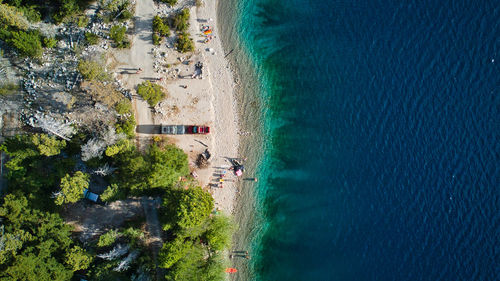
41,175
151,92
180,23
89,149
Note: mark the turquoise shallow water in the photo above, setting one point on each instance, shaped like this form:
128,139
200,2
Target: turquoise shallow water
380,138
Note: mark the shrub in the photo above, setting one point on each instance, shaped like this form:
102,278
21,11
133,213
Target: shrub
67,8
8,89
126,15
49,42
156,39
160,27
170,2
184,43
123,107
10,16
152,93
27,43
126,126
31,13
82,21
91,38
181,20
92,70
117,34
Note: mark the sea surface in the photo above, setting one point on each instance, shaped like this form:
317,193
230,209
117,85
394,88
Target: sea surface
376,138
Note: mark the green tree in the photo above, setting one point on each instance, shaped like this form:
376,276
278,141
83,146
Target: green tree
121,146
78,259
188,208
189,266
48,145
213,268
166,166
173,251
72,188
152,93
108,238
29,267
67,9
112,192
31,13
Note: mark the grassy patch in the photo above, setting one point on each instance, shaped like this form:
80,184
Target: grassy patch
93,70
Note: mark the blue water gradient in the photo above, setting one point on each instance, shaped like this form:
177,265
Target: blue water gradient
382,133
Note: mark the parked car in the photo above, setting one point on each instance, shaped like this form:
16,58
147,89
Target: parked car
194,129
173,129
90,195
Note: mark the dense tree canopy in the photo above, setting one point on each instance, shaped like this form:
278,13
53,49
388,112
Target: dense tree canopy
33,242
36,244
192,253
48,145
158,168
30,170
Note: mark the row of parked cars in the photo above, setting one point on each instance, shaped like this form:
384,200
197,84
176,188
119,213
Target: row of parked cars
184,129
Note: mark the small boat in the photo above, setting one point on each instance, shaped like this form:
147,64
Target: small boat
231,270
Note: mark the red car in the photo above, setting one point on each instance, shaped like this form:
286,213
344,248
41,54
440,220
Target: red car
197,129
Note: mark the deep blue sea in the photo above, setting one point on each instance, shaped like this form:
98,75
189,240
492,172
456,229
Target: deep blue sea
381,128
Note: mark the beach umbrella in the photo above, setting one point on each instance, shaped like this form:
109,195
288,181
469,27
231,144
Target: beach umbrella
208,31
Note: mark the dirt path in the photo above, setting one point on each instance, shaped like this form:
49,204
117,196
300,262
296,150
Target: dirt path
140,57
151,206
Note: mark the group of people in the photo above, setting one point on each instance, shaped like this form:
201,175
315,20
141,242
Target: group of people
239,254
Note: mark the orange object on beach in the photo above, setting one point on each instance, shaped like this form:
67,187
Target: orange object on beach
231,270
208,31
